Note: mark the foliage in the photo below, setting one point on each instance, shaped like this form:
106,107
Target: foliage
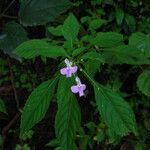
33,48
68,107
115,111
2,106
37,13
13,35
102,54
143,82
34,107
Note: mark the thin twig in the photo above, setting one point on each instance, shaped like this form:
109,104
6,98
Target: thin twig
13,85
7,127
8,6
7,16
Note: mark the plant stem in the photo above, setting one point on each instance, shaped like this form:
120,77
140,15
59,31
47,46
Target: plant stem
7,16
7,127
8,7
13,85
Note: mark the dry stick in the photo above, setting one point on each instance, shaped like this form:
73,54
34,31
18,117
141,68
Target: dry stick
8,7
7,16
7,127
13,86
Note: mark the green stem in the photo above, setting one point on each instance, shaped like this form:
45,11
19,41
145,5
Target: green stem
90,79
71,44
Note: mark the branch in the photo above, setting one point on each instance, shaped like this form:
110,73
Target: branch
8,6
13,85
7,16
7,127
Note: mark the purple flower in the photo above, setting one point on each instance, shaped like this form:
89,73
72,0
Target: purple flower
69,70
79,88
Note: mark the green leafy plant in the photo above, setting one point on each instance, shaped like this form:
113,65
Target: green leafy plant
105,48
89,69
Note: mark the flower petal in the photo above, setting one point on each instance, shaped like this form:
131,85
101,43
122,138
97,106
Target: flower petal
83,86
74,69
81,89
63,71
81,93
75,89
68,74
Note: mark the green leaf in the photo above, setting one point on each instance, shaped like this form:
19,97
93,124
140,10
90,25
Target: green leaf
78,51
91,126
37,105
94,56
107,39
141,41
33,12
56,31
83,139
86,38
33,48
131,22
58,148
3,66
68,117
2,107
53,143
112,136
96,2
27,135
119,15
1,141
13,35
100,136
125,54
96,23
85,19
70,28
136,38
143,82
115,112
92,66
